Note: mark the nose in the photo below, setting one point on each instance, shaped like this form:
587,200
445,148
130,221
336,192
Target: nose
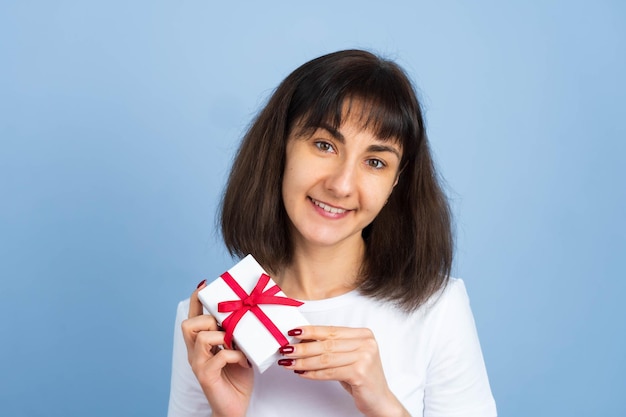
342,180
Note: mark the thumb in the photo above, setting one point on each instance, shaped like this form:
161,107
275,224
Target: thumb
195,306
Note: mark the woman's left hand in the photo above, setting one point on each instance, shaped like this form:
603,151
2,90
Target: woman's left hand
347,355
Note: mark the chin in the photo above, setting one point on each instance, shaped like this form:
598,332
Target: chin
328,239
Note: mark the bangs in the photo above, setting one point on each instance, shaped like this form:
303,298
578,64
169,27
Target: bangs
374,93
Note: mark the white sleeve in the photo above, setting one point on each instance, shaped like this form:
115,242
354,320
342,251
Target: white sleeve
457,384
186,396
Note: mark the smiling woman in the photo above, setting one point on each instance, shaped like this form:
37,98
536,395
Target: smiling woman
333,190
336,182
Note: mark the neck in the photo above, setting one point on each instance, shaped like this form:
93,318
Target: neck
322,272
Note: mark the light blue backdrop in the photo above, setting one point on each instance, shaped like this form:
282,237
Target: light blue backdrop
118,121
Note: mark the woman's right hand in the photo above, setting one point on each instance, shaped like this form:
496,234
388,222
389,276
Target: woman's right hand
225,375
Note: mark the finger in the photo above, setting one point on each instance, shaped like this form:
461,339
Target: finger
213,364
195,306
204,347
330,332
194,326
342,373
327,361
315,348
206,340
226,356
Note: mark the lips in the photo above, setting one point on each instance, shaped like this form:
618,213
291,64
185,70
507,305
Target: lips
327,208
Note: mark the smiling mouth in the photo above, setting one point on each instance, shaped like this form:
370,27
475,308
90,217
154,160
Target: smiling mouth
327,208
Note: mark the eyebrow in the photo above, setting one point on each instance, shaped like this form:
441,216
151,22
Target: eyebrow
372,148
385,148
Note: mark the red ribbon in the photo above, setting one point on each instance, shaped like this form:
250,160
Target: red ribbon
250,302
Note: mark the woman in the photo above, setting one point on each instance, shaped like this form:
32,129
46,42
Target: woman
334,192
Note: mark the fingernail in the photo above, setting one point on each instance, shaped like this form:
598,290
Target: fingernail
285,362
286,349
299,372
294,332
201,283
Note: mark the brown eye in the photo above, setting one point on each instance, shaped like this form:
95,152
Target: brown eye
375,163
324,146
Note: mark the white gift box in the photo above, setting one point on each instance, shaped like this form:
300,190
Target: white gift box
250,335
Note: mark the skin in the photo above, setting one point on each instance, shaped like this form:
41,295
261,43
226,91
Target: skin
336,182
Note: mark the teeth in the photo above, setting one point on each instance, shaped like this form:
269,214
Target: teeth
328,208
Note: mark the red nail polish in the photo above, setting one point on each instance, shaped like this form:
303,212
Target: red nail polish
286,349
299,372
294,332
201,283
285,362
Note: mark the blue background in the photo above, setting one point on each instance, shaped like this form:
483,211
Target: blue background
118,122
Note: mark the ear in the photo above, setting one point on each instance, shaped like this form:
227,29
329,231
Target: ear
392,187
397,178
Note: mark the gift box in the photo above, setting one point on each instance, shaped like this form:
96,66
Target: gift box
253,312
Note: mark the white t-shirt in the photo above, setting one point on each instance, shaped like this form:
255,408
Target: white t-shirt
431,357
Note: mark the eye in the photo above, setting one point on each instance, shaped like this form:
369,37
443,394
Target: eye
324,146
375,163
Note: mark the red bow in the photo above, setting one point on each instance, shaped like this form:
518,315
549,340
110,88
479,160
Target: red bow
250,302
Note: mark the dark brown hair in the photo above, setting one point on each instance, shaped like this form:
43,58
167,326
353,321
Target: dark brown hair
409,244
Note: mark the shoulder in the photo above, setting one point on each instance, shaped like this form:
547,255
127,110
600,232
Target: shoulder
182,309
454,289
449,310
453,295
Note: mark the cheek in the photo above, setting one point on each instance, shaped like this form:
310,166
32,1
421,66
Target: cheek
299,176
293,183
286,186
377,192
288,178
